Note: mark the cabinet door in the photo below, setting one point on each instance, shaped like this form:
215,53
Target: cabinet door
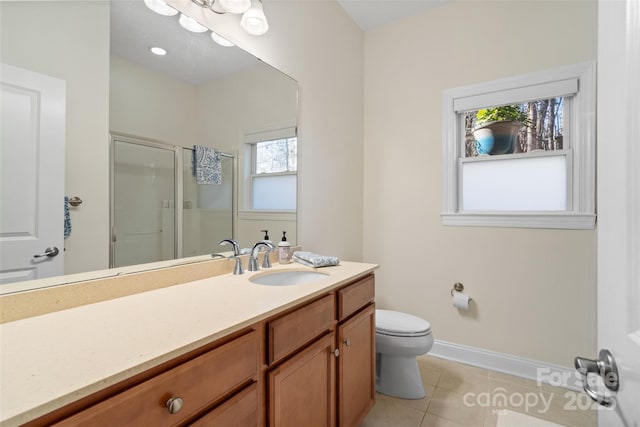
302,389
356,368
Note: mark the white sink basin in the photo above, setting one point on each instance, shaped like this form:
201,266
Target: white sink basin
287,278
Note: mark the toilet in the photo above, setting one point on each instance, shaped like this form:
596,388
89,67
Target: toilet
400,338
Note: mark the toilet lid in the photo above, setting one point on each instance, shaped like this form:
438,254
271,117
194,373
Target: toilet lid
400,324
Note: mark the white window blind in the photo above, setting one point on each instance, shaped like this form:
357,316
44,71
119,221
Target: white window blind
517,184
270,135
558,88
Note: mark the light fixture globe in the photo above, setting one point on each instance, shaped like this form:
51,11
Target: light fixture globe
188,23
254,20
160,7
236,6
221,40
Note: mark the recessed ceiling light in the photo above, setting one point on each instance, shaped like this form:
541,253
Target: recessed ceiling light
158,51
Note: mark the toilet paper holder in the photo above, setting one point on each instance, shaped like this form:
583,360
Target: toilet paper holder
458,287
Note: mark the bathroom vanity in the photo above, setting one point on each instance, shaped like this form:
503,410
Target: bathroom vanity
217,351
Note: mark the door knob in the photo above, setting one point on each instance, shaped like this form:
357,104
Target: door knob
49,252
605,366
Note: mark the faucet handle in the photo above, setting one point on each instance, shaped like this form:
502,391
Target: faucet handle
238,268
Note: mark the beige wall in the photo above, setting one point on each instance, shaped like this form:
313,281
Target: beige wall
151,105
70,41
533,290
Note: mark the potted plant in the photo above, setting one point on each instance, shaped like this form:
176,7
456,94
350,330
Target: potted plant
496,129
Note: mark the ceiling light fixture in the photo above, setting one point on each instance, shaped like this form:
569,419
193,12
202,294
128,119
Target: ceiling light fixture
188,23
161,7
236,6
253,19
221,40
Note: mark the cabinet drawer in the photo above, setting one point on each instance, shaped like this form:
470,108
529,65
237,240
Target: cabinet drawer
198,382
293,330
355,296
240,410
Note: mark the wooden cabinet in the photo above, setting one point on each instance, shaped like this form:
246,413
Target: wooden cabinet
302,390
356,368
241,410
179,394
322,360
291,331
311,366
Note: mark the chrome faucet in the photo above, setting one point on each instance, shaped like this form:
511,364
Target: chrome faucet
238,268
253,258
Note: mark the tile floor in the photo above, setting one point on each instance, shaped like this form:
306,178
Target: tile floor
462,395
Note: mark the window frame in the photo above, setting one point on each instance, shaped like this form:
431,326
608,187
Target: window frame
580,151
251,141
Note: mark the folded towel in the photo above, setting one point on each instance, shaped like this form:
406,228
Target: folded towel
207,167
67,218
314,260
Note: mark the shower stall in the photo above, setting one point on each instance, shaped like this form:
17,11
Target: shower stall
158,212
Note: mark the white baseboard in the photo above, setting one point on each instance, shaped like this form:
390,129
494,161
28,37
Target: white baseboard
535,370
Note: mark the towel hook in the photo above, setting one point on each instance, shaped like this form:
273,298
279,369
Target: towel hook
75,201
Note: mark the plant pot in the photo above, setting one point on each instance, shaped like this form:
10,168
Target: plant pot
496,137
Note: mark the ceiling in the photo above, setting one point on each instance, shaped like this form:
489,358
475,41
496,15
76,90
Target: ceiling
192,57
369,14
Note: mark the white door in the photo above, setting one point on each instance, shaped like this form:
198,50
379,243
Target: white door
31,175
618,214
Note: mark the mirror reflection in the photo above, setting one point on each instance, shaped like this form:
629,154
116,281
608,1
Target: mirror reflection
199,93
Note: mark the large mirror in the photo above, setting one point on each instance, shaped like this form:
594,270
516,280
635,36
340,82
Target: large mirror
200,93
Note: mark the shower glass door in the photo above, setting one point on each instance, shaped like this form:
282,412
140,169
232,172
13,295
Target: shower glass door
143,194
207,215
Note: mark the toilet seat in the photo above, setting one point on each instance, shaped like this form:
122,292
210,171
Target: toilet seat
397,324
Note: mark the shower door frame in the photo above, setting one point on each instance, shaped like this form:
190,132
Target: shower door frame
177,179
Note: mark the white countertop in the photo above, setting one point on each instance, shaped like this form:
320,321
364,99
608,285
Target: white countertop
51,360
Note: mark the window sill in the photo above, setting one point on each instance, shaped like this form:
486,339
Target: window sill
521,220
268,215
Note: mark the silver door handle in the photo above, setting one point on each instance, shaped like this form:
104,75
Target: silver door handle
605,366
49,252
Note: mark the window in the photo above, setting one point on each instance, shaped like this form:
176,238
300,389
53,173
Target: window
274,165
520,152
539,125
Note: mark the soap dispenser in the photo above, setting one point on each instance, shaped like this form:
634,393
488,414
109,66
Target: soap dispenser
266,236
284,250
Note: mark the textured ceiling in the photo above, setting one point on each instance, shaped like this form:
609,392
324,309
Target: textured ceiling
192,57
369,14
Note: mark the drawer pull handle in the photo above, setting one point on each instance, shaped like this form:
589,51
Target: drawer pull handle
174,405
347,342
336,352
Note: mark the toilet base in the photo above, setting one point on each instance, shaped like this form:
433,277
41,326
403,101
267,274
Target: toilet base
398,377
